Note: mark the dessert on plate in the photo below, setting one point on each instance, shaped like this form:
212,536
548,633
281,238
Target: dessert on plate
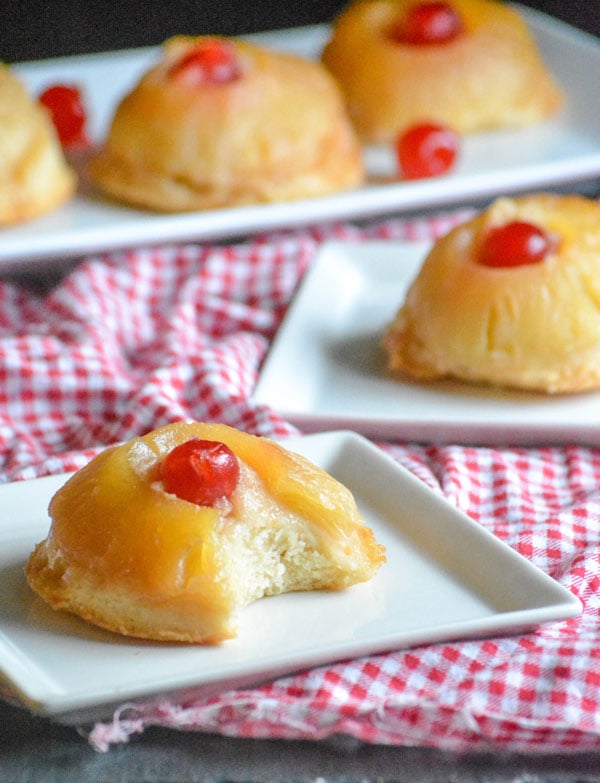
511,297
472,65
220,122
170,535
35,177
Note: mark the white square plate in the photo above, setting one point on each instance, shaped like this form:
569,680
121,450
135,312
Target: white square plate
326,368
445,578
562,151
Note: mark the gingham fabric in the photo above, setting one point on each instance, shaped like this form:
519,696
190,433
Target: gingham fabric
130,341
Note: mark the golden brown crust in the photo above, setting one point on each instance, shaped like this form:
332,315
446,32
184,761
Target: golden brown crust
115,608
533,327
126,556
278,133
491,76
34,175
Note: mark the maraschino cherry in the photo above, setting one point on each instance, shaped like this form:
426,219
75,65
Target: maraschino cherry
211,61
428,23
514,244
200,471
426,150
67,110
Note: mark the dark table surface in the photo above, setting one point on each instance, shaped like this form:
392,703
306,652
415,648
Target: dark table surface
36,750
33,750
33,29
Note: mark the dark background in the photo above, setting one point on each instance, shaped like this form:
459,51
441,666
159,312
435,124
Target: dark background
34,29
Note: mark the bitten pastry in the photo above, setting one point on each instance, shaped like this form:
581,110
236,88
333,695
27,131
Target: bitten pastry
168,536
469,64
34,175
221,122
510,297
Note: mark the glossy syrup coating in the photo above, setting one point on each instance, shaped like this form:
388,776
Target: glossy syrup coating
35,177
490,75
126,554
276,130
532,326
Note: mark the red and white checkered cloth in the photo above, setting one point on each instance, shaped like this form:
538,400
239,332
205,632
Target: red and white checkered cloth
130,341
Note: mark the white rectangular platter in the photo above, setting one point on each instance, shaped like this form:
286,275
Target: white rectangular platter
445,578
326,368
562,151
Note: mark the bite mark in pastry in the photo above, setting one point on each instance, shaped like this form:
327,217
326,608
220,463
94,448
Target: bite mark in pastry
128,555
222,122
510,298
